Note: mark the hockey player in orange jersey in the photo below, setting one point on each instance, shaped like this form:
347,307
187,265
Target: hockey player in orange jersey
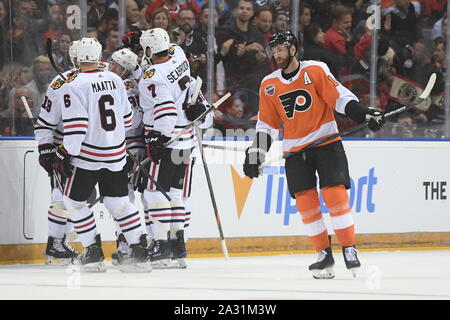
303,95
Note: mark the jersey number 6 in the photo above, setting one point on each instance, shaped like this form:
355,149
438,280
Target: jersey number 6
107,116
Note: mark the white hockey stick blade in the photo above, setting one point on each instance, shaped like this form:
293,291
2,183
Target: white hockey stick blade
198,87
27,107
224,249
429,87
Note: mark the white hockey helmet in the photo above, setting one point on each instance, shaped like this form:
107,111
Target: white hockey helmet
88,50
73,51
126,58
156,39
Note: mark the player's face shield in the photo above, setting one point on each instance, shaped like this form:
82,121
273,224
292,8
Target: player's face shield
277,50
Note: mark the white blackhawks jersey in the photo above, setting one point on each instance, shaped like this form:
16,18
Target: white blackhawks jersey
49,125
135,135
96,113
164,92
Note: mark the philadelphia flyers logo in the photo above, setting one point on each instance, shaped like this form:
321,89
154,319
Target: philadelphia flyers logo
295,101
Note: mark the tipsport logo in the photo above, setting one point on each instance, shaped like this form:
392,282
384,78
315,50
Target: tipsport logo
278,199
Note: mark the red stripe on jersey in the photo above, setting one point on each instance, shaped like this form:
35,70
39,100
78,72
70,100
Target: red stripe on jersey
130,222
84,225
76,126
128,121
104,154
162,109
56,215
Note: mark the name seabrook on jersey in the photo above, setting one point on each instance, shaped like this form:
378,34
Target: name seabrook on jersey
178,71
103,85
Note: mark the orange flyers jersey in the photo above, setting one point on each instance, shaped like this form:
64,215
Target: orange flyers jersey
304,104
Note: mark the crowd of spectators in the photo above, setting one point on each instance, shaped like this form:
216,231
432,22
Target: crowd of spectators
411,46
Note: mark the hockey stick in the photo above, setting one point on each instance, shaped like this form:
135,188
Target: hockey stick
50,57
426,92
226,148
145,172
211,192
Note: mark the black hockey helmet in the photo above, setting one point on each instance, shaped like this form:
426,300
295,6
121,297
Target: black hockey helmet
286,38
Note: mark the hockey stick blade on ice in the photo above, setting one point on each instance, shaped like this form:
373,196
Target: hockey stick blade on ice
425,94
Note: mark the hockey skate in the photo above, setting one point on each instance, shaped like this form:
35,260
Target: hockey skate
91,259
178,248
123,250
138,261
160,254
58,252
323,267
351,259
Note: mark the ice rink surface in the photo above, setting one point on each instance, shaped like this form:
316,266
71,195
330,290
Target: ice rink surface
384,275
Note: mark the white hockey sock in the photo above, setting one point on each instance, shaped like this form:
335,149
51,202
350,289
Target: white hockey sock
131,194
178,212
83,220
126,215
147,219
56,223
159,213
187,217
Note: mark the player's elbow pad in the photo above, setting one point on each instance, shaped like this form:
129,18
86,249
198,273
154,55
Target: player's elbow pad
354,111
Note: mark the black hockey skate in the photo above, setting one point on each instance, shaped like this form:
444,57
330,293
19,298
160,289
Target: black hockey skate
160,254
139,259
178,248
123,250
323,268
59,252
351,259
91,259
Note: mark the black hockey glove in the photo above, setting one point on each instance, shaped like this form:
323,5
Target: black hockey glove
154,142
62,163
256,154
194,111
374,118
131,40
47,154
129,165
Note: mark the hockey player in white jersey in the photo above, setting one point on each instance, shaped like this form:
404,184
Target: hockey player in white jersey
49,133
164,97
124,63
96,112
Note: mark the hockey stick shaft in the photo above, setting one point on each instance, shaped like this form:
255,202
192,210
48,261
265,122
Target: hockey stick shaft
227,148
145,172
426,92
211,192
50,57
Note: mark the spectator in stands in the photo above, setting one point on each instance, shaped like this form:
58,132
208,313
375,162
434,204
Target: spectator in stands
405,126
108,21
42,75
440,27
95,10
304,19
242,48
61,53
232,116
55,25
183,34
338,37
314,40
439,55
172,7
15,120
263,22
280,23
160,18
113,42
221,6
402,25
23,35
3,24
132,15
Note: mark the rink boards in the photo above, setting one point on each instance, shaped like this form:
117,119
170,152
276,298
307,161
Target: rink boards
399,196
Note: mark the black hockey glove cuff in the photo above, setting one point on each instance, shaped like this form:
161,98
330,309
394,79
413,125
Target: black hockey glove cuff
256,154
155,141
47,154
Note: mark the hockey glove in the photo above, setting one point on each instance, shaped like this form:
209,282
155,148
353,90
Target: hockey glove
374,118
129,165
47,155
254,157
62,162
194,111
154,142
